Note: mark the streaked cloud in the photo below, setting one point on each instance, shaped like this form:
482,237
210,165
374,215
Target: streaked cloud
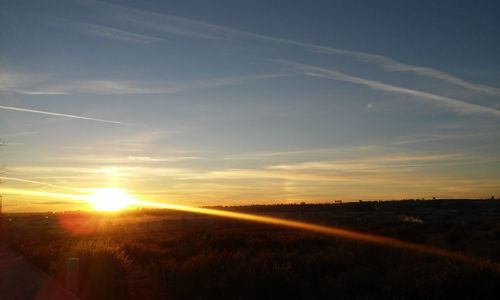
273,155
116,34
135,141
161,159
18,134
386,163
23,180
165,23
444,137
116,159
15,81
392,65
33,85
172,24
19,109
364,176
445,102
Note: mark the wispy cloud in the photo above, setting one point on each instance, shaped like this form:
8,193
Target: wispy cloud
143,141
99,159
285,154
192,28
445,102
55,202
43,85
23,180
446,137
18,134
19,109
395,163
376,176
164,22
161,159
116,34
392,65
16,81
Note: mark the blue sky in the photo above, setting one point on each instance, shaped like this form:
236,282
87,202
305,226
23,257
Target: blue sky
234,102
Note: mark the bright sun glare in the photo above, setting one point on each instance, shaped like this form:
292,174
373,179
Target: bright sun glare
109,199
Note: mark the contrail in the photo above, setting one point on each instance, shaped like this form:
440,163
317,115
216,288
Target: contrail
173,24
456,105
57,114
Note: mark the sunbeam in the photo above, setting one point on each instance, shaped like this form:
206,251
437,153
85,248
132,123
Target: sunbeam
100,200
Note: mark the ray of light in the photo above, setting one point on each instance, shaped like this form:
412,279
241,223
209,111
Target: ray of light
328,230
25,192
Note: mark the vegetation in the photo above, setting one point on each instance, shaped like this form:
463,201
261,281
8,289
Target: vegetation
162,254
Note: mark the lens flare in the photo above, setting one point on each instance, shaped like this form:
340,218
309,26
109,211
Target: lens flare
329,230
110,199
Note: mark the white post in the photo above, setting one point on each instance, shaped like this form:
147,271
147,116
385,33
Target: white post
73,274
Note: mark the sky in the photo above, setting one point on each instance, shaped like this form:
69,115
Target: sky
248,102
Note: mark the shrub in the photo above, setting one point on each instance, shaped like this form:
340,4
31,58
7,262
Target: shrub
103,265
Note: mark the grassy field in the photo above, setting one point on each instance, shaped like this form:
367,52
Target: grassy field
158,254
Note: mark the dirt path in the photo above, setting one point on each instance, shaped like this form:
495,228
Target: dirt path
19,279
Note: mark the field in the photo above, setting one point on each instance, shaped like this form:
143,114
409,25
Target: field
160,254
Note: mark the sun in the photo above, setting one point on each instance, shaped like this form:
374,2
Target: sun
109,199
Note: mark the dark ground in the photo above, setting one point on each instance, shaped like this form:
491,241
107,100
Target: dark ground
163,254
20,279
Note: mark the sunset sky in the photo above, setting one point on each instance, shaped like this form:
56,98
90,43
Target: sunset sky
248,102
